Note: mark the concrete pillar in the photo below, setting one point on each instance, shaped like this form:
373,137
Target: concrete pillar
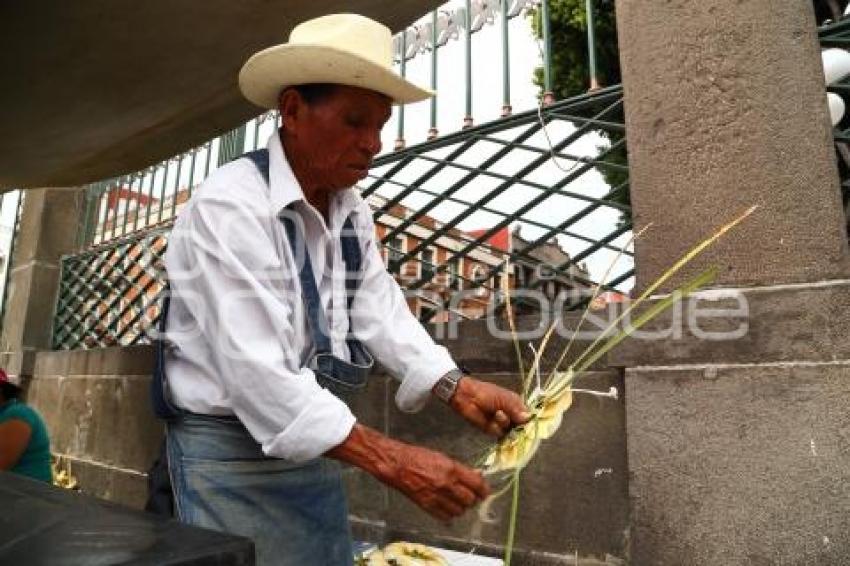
737,440
48,227
726,108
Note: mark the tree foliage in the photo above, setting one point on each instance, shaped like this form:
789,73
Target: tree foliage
570,68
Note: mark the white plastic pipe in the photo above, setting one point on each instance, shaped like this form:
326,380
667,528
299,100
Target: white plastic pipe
836,107
836,64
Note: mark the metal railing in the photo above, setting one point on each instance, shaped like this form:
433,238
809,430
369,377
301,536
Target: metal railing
153,196
515,201
518,171
449,210
109,295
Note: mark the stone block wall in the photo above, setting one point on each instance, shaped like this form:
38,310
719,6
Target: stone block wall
97,409
731,443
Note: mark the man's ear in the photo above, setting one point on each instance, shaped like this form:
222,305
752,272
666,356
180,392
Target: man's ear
290,105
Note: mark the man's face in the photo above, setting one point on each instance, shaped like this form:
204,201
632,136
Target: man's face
333,141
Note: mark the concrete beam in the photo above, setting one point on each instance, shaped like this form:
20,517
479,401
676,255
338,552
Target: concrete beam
102,89
780,323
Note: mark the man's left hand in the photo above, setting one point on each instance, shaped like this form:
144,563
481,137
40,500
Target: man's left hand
493,409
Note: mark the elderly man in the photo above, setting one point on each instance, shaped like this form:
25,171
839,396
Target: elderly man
279,301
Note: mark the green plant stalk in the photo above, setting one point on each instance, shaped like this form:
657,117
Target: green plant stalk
595,294
696,283
692,285
509,544
695,251
591,355
535,367
685,290
506,289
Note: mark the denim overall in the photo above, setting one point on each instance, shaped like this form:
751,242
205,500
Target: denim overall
296,513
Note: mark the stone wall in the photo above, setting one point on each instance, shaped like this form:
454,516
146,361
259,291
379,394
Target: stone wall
97,409
574,495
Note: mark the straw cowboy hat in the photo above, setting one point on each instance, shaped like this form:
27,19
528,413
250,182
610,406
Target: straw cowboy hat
343,49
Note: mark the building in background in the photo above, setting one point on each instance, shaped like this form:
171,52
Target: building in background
478,274
545,267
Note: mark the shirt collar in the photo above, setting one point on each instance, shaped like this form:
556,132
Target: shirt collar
284,188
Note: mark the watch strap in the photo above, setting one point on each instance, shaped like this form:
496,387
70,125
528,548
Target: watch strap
445,388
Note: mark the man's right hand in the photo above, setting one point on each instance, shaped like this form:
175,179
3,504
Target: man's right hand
443,487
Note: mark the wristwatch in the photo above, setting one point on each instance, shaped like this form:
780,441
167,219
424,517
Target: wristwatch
446,387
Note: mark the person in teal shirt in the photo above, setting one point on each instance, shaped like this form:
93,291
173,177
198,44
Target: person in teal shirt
24,444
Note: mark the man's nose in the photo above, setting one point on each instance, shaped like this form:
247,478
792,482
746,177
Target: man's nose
371,142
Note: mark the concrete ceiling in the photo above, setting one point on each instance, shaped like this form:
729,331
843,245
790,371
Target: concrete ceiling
96,89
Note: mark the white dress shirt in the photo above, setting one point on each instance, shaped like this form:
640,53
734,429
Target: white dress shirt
237,323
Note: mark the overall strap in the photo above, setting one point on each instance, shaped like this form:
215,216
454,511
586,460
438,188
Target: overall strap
260,159
162,407
312,300
351,257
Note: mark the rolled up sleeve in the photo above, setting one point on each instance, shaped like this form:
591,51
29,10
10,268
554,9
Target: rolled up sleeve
225,266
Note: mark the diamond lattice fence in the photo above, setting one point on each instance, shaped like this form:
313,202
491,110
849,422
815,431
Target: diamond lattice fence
110,295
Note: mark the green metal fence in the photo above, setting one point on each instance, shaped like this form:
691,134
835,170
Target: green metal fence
516,201
152,197
110,294
532,170
527,200
447,212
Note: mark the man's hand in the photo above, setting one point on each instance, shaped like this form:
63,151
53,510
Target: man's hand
493,409
443,487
